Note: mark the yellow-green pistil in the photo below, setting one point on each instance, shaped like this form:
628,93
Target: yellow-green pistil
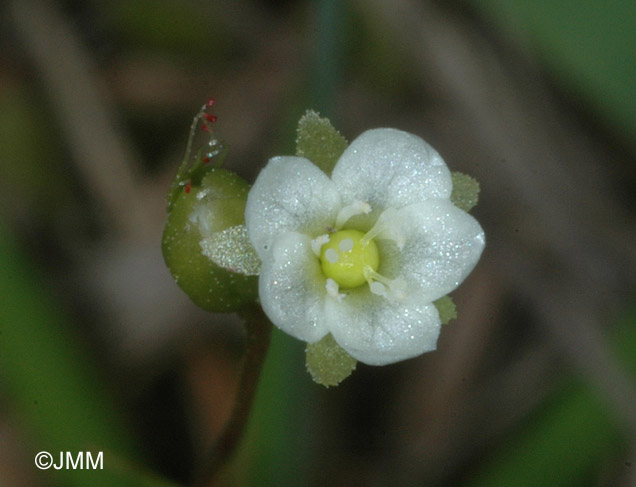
347,257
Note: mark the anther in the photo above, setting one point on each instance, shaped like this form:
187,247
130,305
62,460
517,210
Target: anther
332,289
393,289
377,288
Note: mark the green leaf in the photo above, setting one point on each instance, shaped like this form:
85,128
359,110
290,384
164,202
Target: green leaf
328,363
465,191
232,250
446,309
205,152
319,141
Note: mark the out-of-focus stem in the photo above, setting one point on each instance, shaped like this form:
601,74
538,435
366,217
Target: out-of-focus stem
259,330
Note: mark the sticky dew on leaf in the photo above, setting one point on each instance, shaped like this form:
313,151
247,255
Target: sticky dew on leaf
205,150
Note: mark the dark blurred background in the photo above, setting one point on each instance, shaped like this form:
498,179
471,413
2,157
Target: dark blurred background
534,384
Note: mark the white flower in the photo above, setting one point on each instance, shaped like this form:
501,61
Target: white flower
362,255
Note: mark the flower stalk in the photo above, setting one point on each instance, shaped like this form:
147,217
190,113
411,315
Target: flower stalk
258,329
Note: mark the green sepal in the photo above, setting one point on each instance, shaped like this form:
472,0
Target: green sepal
197,213
328,363
446,309
318,141
465,191
232,250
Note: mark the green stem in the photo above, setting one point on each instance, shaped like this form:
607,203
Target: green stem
259,330
328,55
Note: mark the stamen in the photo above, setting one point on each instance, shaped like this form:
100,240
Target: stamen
386,224
377,288
370,275
332,289
355,208
318,242
393,289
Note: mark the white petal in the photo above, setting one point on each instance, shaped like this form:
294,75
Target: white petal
290,194
391,168
377,331
292,288
441,245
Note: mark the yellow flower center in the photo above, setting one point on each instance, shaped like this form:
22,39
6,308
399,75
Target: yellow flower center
346,256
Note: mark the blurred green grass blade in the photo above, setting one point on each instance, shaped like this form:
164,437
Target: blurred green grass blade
589,45
191,31
327,69
50,385
276,447
562,447
31,164
568,440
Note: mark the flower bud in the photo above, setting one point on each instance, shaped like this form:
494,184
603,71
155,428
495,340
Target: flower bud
196,213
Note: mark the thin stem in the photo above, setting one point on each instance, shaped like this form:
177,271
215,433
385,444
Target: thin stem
259,331
329,49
